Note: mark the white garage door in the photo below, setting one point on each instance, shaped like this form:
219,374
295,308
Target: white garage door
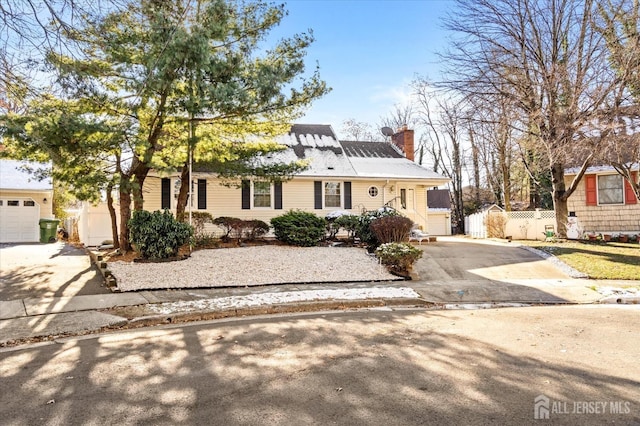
438,224
19,219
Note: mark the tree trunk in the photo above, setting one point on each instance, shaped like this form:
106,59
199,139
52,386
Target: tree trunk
183,195
125,214
560,197
112,215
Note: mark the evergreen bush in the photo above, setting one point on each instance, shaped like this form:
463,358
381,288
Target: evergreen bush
399,257
157,235
299,228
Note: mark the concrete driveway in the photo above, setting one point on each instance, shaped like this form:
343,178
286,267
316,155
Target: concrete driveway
47,270
464,270
459,258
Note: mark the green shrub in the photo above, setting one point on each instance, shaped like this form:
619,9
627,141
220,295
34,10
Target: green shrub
398,256
299,228
348,222
158,235
391,229
364,231
206,240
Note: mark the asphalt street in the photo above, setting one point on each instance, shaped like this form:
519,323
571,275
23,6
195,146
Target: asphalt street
385,366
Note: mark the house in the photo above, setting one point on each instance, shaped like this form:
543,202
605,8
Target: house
604,202
342,175
24,200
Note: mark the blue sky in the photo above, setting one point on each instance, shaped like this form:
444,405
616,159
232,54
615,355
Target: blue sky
368,52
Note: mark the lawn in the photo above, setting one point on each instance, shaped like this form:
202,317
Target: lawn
599,260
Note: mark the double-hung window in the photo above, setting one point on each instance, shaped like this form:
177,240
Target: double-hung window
610,189
261,194
332,194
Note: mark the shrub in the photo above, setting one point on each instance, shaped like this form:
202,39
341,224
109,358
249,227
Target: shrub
232,226
364,231
348,222
299,228
496,224
253,229
158,235
398,256
334,222
206,239
198,221
391,229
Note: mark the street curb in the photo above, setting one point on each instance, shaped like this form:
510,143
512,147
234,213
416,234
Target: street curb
180,317
621,300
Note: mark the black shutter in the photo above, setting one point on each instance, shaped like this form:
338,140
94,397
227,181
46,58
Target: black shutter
165,202
317,194
246,195
347,195
202,194
277,193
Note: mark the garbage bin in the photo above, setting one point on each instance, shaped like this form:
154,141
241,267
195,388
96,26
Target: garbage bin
48,230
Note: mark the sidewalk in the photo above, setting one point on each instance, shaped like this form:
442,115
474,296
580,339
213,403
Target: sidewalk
32,318
450,276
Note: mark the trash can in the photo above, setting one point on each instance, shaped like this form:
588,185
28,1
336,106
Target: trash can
48,230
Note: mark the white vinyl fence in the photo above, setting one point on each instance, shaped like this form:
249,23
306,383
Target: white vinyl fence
520,225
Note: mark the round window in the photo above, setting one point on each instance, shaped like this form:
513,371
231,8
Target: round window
373,191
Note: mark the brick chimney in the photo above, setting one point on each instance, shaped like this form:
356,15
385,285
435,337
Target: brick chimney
403,139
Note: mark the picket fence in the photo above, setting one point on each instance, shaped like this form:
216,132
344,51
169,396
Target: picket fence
520,225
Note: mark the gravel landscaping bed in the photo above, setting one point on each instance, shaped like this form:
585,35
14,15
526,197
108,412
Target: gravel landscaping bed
251,266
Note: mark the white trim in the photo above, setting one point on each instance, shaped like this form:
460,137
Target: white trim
271,196
324,194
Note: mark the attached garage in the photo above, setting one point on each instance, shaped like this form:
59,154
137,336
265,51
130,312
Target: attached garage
19,219
24,200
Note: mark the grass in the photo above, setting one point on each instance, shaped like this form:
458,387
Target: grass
599,260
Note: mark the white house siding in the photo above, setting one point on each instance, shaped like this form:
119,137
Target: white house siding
603,218
296,194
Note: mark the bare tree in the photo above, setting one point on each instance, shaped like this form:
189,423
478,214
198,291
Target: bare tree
358,130
618,24
545,57
430,143
494,139
446,122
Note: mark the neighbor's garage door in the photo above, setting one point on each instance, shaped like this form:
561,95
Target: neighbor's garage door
19,219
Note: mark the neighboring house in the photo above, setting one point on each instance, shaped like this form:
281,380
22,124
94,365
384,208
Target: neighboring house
343,175
604,201
24,200
439,211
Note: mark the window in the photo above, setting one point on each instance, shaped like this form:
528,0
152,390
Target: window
261,194
29,203
373,192
1,203
403,198
332,194
610,189
13,203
